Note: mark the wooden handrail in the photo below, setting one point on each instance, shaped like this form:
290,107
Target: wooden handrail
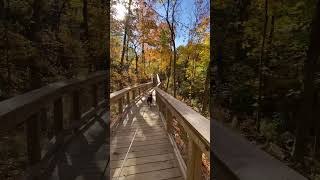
235,158
196,126
26,108
17,110
119,96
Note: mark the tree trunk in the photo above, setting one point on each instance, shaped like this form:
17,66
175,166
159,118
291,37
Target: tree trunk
5,13
101,63
169,73
174,67
85,19
206,94
124,43
307,115
2,10
85,37
143,58
35,27
261,65
137,59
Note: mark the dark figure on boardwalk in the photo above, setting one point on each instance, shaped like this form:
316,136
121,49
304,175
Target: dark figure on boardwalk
149,99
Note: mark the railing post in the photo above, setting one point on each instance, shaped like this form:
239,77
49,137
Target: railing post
58,119
120,108
76,105
194,161
162,109
128,98
134,94
168,120
95,96
33,139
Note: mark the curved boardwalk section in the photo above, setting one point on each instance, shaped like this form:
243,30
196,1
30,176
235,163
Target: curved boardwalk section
140,148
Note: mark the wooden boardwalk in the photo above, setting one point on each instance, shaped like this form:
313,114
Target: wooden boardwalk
86,157
140,148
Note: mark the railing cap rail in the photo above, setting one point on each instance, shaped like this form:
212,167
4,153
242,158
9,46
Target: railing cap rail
16,110
117,94
199,124
245,160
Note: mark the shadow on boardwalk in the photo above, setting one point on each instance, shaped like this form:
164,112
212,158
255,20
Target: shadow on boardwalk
86,157
150,155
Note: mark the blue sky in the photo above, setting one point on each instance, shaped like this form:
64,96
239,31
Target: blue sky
185,18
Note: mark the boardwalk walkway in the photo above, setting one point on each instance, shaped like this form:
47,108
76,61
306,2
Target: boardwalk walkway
86,157
143,142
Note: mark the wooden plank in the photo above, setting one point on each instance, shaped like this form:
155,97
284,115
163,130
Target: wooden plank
141,148
120,156
145,139
127,139
141,134
151,152
133,125
140,128
154,175
140,131
137,144
154,166
142,160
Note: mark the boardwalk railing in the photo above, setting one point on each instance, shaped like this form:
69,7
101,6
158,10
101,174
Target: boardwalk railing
26,109
235,158
127,95
194,124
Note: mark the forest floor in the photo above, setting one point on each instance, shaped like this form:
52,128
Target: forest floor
281,148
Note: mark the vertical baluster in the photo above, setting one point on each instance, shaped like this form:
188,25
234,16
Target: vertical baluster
76,106
194,161
128,98
95,97
33,139
159,105
58,119
120,107
133,94
169,121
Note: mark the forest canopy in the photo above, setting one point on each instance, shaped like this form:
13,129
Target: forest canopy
160,37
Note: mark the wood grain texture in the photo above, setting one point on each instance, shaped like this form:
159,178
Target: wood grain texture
151,155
